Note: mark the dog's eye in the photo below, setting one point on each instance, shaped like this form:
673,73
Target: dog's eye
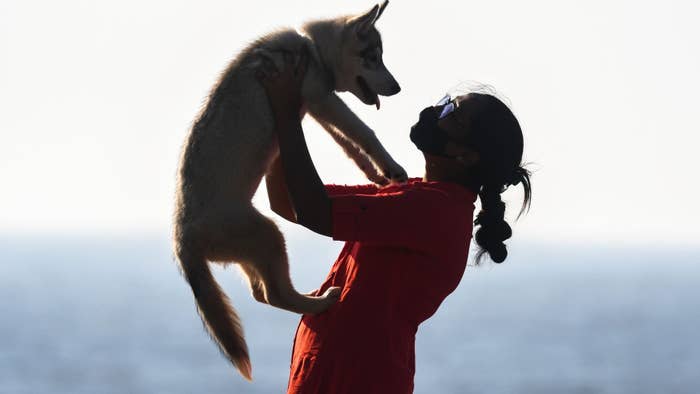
370,55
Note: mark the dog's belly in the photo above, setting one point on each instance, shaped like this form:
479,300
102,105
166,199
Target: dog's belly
224,169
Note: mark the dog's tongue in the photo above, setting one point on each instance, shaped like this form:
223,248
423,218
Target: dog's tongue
376,102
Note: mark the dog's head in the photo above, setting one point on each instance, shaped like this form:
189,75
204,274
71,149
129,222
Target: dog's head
361,70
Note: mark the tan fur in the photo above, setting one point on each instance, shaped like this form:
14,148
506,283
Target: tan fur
230,148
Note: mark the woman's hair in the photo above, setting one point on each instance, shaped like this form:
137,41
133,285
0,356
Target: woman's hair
496,135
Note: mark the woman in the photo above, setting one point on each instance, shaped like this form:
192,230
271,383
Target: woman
406,245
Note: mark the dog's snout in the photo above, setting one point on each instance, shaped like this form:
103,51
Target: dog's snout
394,89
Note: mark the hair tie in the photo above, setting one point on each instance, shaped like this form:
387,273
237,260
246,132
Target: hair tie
492,211
515,177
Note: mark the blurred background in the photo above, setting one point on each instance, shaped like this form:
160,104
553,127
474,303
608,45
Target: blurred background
600,290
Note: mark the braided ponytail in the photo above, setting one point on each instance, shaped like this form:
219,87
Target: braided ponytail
493,229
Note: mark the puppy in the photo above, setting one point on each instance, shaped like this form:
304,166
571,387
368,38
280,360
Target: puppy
231,145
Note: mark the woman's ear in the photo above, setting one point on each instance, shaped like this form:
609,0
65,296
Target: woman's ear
468,157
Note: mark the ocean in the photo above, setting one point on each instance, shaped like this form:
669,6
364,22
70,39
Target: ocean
102,315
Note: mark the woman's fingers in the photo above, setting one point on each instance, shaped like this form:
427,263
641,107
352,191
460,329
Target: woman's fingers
294,64
269,67
302,63
266,70
288,58
287,79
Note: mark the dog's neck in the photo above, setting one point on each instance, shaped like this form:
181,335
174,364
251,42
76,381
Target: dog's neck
325,32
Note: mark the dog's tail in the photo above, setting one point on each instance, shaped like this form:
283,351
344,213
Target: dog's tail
215,309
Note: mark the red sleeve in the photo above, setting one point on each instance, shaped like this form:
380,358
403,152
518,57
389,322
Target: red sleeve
337,190
415,219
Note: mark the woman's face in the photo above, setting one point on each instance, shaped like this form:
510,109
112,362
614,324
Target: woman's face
456,125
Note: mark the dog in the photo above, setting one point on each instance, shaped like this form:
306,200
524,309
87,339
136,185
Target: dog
232,144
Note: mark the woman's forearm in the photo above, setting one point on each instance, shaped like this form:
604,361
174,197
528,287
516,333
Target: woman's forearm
306,191
277,192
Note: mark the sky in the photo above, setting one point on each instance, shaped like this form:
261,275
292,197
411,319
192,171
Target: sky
96,99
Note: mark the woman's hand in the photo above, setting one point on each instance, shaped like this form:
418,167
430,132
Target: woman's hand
283,87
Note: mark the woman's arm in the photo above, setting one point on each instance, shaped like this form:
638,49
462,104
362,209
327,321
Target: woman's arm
277,192
306,191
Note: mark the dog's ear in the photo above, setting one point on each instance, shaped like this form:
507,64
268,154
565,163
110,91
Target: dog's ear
364,23
381,10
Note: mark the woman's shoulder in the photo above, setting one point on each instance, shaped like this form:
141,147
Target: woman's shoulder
437,189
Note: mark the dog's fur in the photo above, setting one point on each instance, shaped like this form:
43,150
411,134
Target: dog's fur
233,143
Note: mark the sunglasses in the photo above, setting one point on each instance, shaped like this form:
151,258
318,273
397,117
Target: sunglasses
447,104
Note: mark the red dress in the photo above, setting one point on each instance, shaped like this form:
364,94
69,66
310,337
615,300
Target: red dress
406,250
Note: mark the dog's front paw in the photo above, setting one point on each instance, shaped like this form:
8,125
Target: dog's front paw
395,174
375,178
372,173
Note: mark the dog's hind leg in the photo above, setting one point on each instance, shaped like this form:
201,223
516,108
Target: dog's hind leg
257,287
256,243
